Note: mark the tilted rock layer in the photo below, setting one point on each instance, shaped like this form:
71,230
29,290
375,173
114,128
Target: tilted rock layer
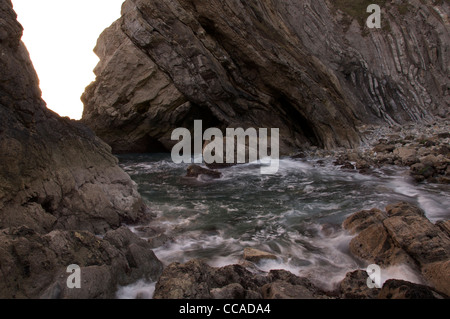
307,67
403,235
59,186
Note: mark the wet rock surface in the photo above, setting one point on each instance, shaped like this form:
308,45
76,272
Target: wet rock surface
397,236
402,235
400,289
197,280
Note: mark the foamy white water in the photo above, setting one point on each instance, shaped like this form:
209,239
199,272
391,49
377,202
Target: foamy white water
295,214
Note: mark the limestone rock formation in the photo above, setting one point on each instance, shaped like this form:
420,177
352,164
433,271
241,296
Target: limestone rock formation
402,235
309,67
59,187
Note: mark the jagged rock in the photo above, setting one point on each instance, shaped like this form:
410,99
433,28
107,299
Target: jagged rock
384,148
285,290
400,289
444,225
232,291
59,185
193,280
361,220
403,235
421,172
375,245
408,155
34,265
158,241
354,286
197,280
285,285
295,65
54,172
195,171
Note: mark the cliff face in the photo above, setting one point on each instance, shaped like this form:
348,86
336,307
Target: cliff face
307,67
59,186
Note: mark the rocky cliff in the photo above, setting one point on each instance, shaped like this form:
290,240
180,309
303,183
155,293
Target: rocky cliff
311,68
59,187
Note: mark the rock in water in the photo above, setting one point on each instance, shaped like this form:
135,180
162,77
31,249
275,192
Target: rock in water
196,171
402,235
59,185
354,286
256,255
295,65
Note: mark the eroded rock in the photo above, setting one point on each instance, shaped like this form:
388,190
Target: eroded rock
197,280
402,235
60,186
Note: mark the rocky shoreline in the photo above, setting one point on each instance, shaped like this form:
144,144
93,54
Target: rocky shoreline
401,235
423,148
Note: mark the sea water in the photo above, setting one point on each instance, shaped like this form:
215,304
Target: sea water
295,214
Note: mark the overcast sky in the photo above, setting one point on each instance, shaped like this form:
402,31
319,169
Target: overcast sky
60,36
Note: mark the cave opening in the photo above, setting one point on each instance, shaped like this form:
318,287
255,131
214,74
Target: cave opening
300,123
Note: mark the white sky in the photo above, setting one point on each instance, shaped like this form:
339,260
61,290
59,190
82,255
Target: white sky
60,36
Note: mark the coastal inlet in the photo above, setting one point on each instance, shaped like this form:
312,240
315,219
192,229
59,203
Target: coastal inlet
296,215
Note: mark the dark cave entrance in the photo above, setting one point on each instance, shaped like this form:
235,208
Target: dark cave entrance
298,121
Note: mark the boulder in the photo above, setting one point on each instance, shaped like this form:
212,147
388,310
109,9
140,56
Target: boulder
232,291
363,219
384,148
195,171
354,286
256,255
407,155
402,235
285,290
35,265
189,281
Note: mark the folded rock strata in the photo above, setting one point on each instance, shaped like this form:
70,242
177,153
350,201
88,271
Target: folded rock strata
307,67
